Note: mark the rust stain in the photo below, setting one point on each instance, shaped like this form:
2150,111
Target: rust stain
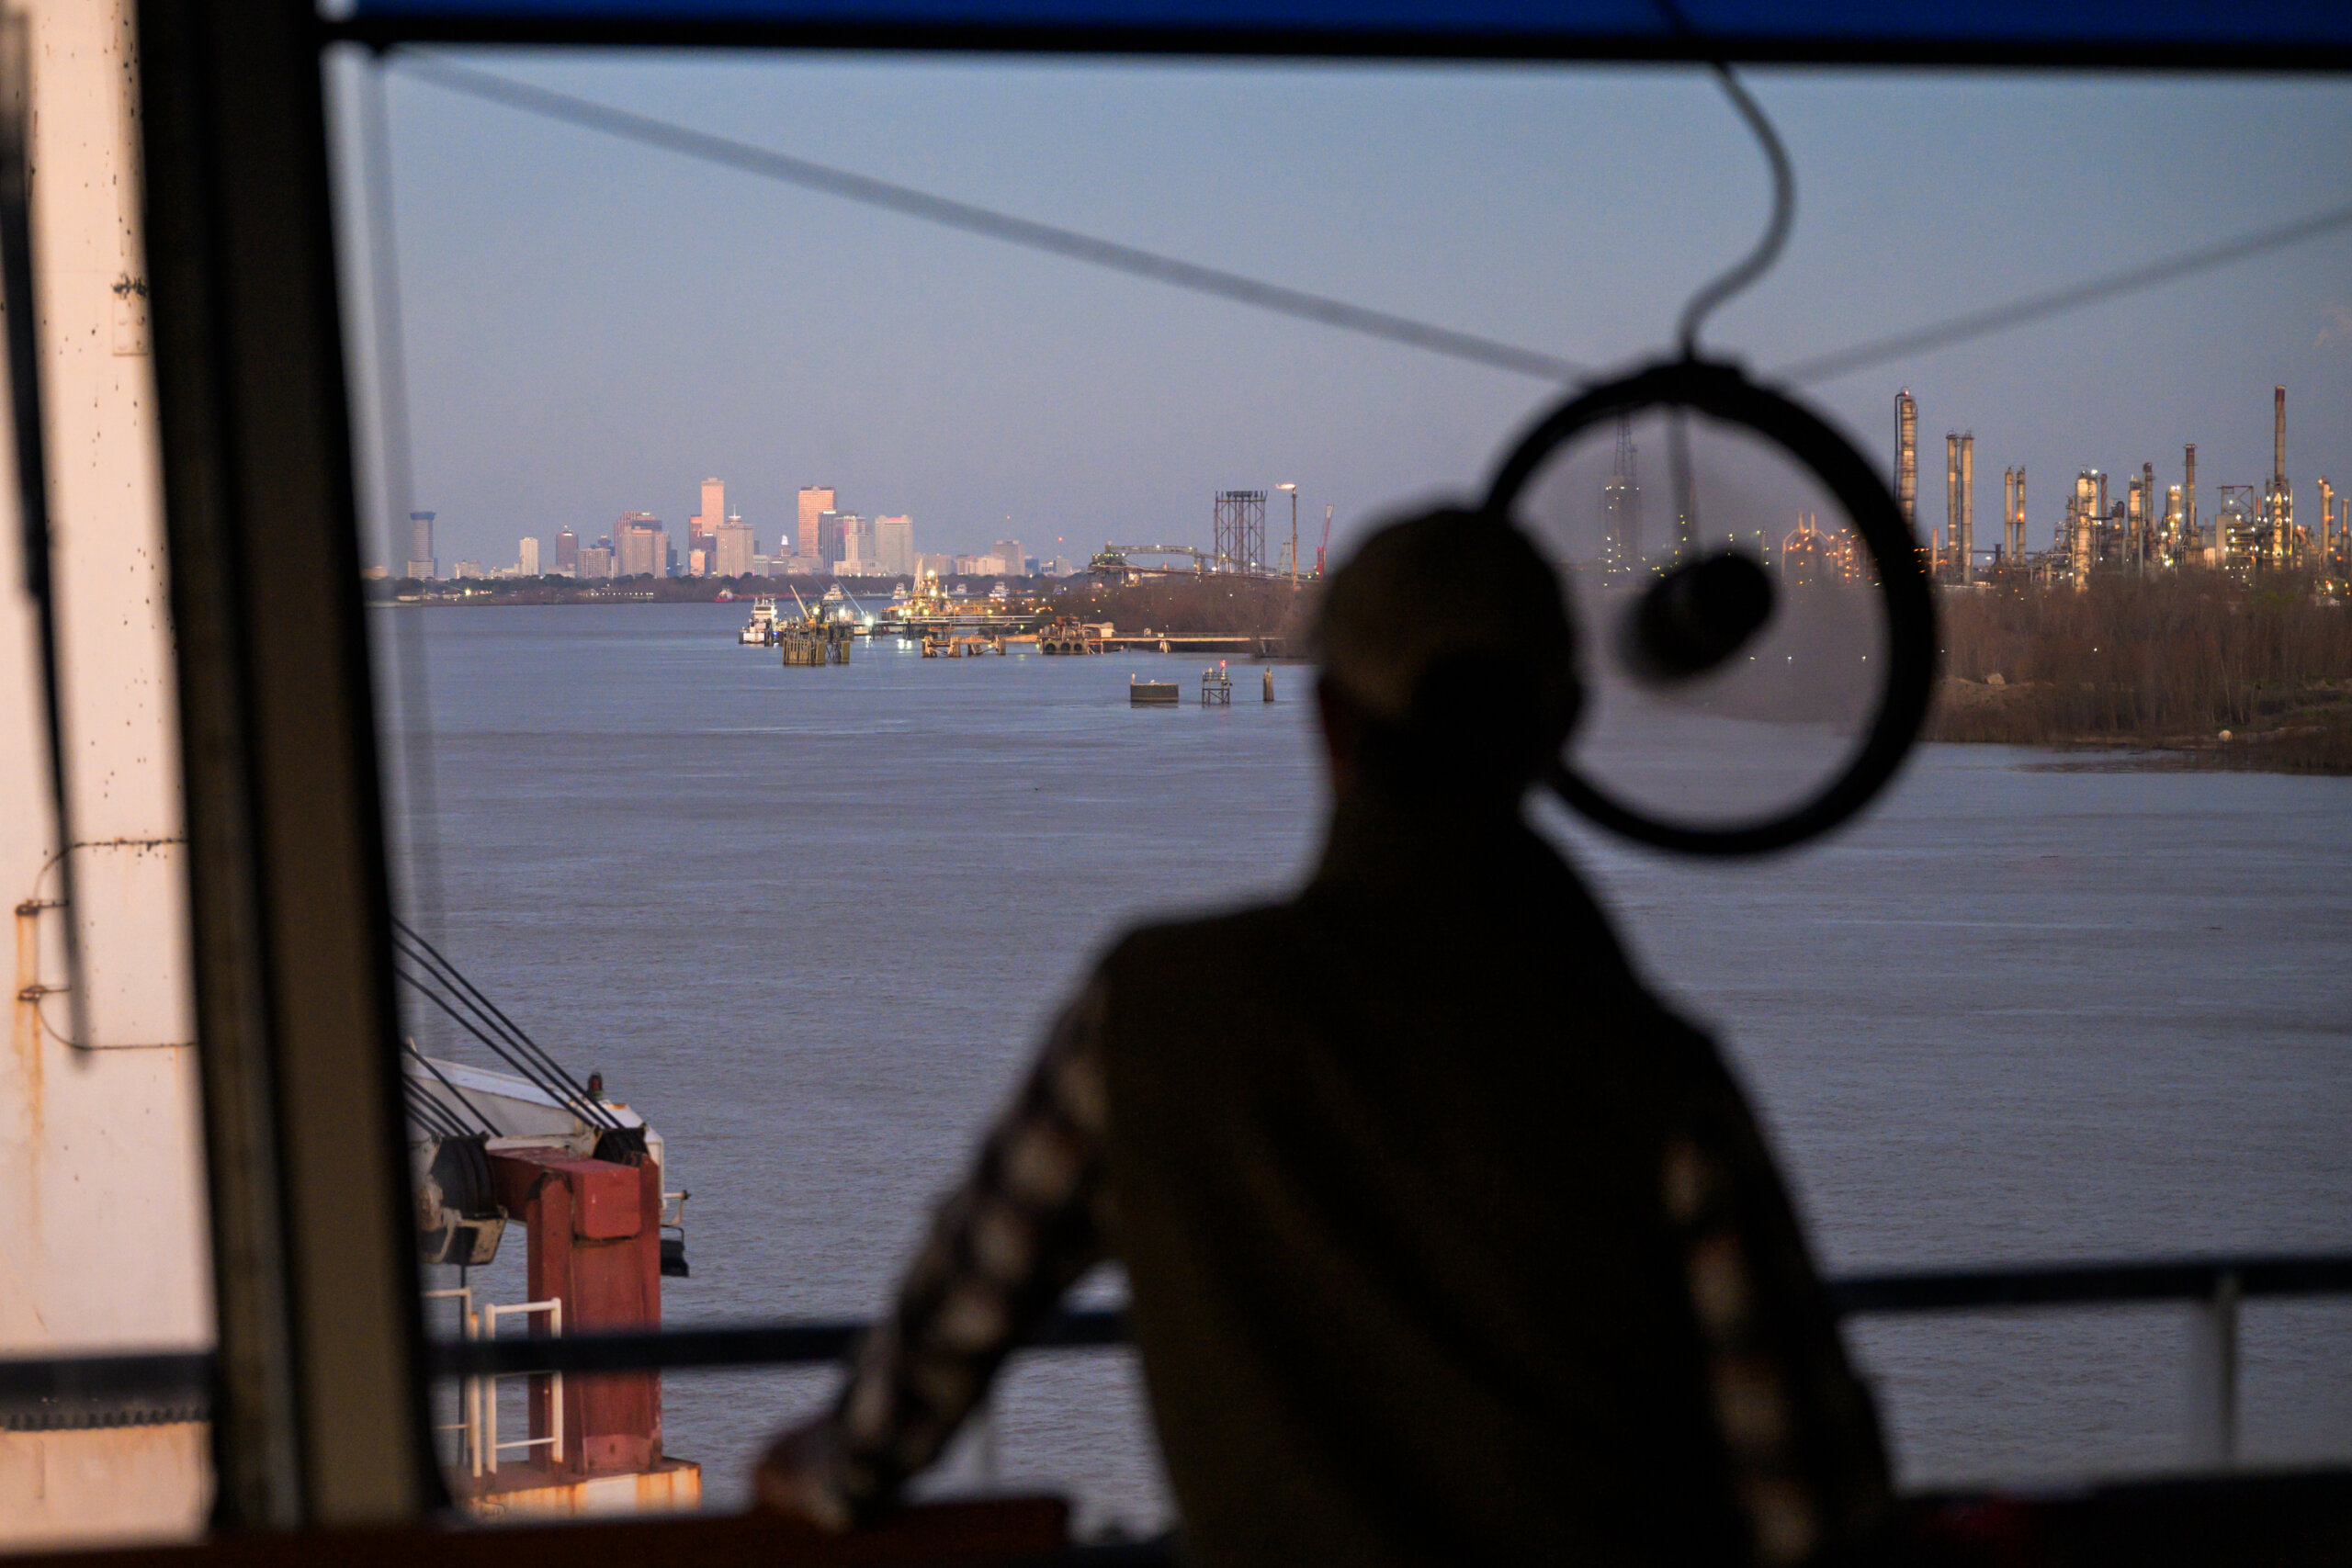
676,1487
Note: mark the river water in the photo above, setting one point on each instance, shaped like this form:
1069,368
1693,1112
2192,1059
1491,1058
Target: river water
810,921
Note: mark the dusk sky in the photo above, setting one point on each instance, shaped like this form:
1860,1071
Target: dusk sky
592,327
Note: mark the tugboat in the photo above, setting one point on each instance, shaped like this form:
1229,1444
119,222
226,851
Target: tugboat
760,630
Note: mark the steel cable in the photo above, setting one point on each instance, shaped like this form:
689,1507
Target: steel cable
438,1076
2074,297
419,951
974,220
556,1091
1340,314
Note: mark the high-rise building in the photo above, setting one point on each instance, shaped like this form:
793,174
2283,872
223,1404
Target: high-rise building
567,553
594,561
854,555
1009,552
527,559
420,564
640,547
732,552
815,501
894,546
825,545
703,527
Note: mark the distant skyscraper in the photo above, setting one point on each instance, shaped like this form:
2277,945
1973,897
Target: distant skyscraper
827,544
703,527
733,548
419,546
594,561
1009,552
815,501
527,559
640,547
854,555
894,546
567,553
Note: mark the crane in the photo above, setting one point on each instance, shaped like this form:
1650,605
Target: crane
1326,541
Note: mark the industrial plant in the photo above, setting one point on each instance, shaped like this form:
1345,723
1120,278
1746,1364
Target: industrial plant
2251,529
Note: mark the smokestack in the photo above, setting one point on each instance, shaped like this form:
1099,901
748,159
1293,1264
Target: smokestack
2082,526
2017,542
1906,460
2009,509
2278,441
1965,539
1951,491
2188,495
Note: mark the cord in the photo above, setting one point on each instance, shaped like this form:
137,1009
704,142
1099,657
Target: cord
950,214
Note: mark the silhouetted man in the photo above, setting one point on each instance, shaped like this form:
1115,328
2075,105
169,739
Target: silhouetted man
1445,1242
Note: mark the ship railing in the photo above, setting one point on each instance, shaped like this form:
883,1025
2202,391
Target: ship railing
2212,1290
469,1424
487,1404
128,1389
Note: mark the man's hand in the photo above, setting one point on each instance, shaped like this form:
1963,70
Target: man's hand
799,1473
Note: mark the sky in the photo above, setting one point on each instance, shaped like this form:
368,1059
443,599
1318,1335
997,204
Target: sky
589,328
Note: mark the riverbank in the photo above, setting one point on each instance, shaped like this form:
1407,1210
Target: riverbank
2186,672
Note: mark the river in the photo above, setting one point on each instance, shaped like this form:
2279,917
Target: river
810,921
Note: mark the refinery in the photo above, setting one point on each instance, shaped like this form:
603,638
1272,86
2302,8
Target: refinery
2133,527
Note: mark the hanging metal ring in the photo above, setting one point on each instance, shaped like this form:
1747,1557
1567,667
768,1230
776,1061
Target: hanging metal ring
1725,392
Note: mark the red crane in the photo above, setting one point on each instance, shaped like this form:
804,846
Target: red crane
1326,541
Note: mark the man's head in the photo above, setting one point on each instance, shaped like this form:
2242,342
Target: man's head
1449,663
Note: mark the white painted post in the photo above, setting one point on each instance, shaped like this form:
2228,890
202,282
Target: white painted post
555,1330
2213,1377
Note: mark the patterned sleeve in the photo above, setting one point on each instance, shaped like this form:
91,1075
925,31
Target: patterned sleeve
1034,1215
1808,1464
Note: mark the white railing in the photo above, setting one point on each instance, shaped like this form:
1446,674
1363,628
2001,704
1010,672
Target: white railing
485,1400
468,1426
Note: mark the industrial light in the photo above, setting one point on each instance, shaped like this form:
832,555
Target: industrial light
1723,392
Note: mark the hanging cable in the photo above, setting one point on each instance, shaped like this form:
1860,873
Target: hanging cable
499,1048
1741,275
1339,314
909,202
428,1113
442,1079
1758,261
418,950
2058,301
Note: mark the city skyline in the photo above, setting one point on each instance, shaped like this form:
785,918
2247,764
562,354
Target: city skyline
819,516
964,382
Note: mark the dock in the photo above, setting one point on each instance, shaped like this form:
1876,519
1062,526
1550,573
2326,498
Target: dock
1190,642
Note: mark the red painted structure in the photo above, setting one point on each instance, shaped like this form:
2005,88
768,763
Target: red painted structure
595,1230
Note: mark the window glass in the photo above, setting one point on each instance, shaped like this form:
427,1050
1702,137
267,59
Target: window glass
2067,993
